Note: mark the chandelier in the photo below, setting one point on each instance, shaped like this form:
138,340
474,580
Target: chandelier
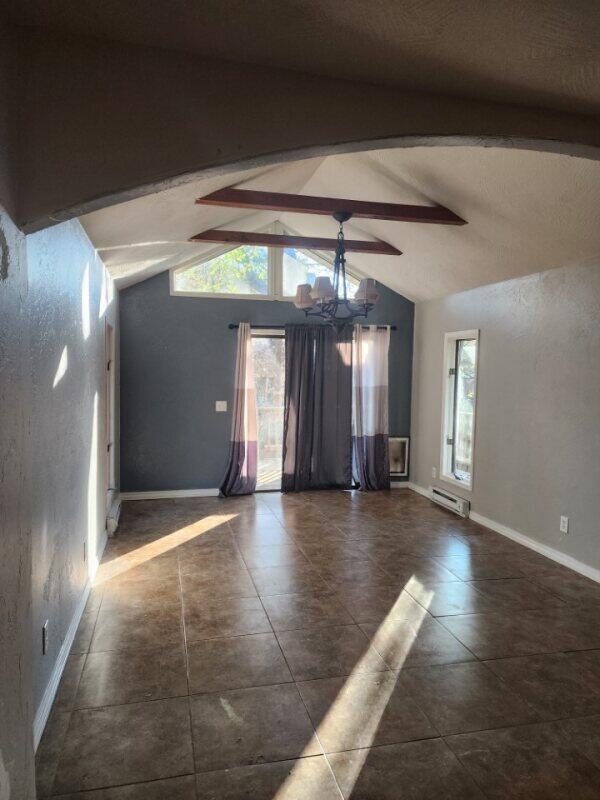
328,300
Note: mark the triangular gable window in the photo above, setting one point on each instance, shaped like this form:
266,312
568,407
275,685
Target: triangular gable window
254,273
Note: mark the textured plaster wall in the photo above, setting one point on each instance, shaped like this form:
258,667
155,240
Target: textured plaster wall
16,701
104,120
7,119
69,299
178,357
537,438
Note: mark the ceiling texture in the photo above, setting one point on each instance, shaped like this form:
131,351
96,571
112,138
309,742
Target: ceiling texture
533,52
526,212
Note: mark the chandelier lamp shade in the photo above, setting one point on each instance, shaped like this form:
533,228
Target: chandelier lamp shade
330,301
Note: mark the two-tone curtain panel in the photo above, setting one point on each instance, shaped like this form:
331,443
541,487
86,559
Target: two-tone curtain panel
241,471
317,445
370,348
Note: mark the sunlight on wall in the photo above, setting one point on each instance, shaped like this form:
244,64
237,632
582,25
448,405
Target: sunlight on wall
85,302
63,365
121,564
92,495
107,291
360,712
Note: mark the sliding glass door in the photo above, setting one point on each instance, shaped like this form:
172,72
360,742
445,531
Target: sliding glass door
268,353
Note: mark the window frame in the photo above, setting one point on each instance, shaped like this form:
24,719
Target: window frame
448,408
274,269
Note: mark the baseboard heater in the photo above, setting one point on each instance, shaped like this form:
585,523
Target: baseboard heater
450,501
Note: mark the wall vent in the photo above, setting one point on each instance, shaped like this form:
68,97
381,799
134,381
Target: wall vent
450,501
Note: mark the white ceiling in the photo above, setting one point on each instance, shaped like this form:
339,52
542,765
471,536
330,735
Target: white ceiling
526,212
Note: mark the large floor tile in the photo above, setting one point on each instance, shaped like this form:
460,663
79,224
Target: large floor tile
404,644
197,588
446,599
583,733
217,665
352,570
532,762
465,697
232,616
481,566
125,744
131,676
150,594
64,699
137,627
414,771
556,685
250,726
572,588
85,632
183,788
301,779
49,749
272,556
328,652
499,634
515,593
291,611
288,579
363,710
372,603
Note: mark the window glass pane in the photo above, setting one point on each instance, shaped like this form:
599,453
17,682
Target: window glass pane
241,271
464,408
301,267
268,356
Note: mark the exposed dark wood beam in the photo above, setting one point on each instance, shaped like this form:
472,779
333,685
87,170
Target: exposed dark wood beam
326,206
283,240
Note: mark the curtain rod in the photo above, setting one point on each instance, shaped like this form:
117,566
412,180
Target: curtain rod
234,325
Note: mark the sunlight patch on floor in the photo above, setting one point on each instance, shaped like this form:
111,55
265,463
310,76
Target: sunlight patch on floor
364,712
121,564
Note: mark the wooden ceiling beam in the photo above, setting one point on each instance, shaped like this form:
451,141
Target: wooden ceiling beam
326,206
285,240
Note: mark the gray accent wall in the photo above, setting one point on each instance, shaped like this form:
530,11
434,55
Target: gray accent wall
537,430
178,358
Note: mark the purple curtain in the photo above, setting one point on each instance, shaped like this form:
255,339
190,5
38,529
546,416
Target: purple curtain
371,464
317,434
241,471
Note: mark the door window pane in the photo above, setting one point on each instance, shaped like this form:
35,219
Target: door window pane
301,267
268,355
244,270
464,409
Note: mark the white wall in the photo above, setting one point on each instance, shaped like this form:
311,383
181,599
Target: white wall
537,438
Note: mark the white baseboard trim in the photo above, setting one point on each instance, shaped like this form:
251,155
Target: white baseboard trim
521,538
43,710
539,547
419,489
169,493
114,513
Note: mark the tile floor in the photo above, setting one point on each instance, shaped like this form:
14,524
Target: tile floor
326,645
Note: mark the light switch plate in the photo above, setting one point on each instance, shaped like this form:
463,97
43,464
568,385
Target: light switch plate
221,405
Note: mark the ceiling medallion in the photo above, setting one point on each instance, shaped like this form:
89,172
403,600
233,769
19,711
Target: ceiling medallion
330,301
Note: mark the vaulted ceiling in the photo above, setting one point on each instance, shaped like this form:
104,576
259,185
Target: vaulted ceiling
526,212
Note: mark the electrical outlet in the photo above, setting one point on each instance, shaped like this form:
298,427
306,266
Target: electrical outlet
433,472
221,405
45,637
564,525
